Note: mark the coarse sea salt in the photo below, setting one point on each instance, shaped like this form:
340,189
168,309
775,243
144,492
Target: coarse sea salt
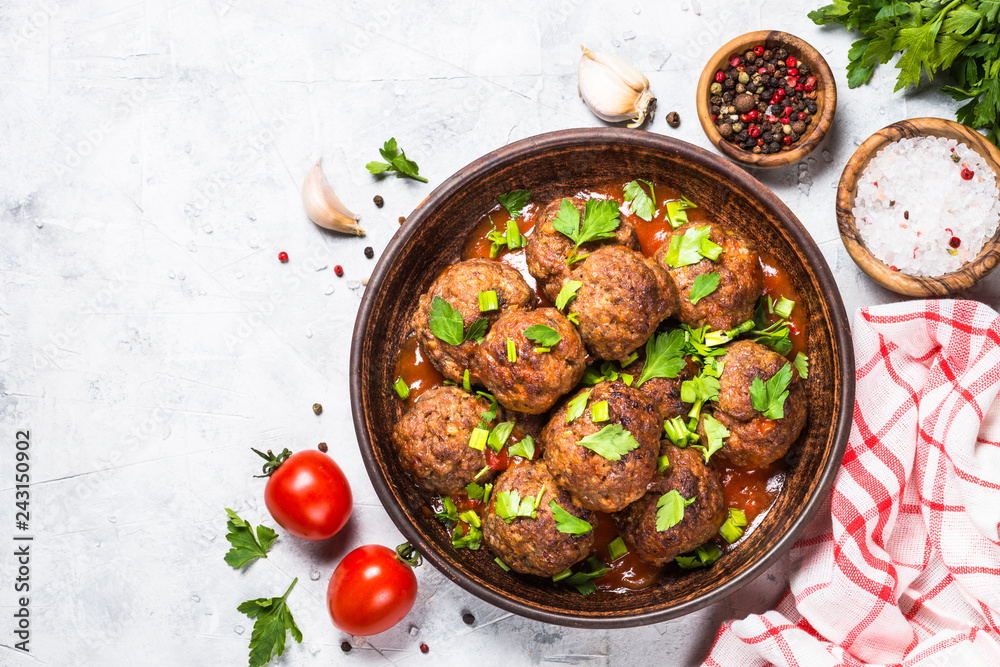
913,205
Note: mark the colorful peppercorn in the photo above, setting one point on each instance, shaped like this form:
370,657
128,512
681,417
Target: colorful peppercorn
282,256
967,173
339,270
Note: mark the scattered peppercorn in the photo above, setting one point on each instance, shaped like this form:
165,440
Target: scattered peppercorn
967,173
906,215
345,647
402,219
339,270
673,119
468,618
282,256
369,252
322,447
424,648
317,408
378,201
955,242
894,267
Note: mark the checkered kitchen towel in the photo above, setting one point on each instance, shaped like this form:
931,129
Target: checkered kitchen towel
902,564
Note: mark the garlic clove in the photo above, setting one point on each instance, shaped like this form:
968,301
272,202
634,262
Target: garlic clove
324,207
613,89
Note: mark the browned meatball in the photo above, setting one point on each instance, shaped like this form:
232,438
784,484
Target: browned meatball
547,250
665,392
755,440
596,482
535,546
460,285
536,378
432,439
691,478
741,280
624,297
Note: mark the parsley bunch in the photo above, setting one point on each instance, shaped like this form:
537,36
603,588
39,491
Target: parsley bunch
957,38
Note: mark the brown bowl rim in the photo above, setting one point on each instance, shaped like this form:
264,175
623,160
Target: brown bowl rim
815,135
844,354
847,190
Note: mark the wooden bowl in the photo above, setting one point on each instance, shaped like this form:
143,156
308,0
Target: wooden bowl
550,165
901,283
826,98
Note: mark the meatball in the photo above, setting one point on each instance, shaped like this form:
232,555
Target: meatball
665,392
624,297
596,482
755,440
460,285
741,281
432,439
539,374
547,249
689,475
535,546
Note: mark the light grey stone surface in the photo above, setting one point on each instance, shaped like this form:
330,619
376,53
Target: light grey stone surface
151,160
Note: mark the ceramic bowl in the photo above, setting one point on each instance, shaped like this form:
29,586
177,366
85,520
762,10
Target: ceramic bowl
550,165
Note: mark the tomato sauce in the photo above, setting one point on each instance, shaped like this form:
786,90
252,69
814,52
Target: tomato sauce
752,491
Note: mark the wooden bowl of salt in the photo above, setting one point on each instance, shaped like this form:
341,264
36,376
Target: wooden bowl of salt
889,277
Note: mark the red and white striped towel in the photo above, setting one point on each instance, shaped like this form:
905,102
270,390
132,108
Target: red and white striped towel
902,564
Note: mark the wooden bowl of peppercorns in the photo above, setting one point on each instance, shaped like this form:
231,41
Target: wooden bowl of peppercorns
766,99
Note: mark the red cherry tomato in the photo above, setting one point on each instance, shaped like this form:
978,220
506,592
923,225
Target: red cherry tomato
307,493
372,589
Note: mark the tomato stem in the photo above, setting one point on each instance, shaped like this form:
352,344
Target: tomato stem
406,553
272,462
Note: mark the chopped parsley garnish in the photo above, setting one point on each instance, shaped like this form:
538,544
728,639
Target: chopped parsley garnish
568,523
491,412
617,549
488,301
670,509
448,513
499,435
801,364
396,161
702,286
566,294
677,211
576,405
447,323
703,556
511,351
702,388
515,202
692,247
525,448
510,505
600,220
470,539
642,205
273,621
599,412
246,546
611,442
476,491
402,389
664,356
543,335
716,433
583,582
768,398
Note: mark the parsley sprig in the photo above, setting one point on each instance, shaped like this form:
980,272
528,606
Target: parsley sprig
691,247
612,442
642,205
246,546
510,505
448,323
768,398
664,356
583,581
396,161
600,221
568,523
670,509
515,202
273,621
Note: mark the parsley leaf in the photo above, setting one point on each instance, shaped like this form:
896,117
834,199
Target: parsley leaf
642,204
568,523
397,161
577,405
715,432
449,512
702,388
801,364
510,505
664,356
702,286
246,547
542,335
274,618
611,442
477,330
515,202
447,323
775,336
703,556
525,448
583,581
768,398
470,538
670,509
690,247
566,294
499,435
600,220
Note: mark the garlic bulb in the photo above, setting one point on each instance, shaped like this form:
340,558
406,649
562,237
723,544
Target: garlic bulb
324,207
614,89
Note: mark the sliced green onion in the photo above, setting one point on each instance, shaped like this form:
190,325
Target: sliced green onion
543,350
511,351
676,431
617,549
538,498
471,518
738,517
662,463
565,574
514,238
488,301
482,472
487,492
402,389
783,307
574,318
599,412
502,564
466,381
730,532
478,438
